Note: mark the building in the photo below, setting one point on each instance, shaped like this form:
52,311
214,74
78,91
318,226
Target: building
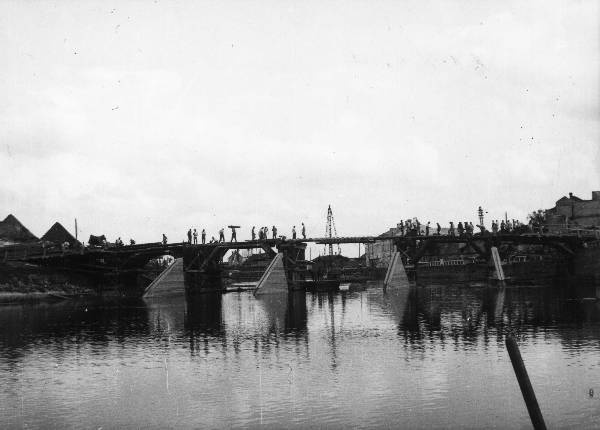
380,252
573,211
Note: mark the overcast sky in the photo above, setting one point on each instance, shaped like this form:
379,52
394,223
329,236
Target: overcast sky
140,118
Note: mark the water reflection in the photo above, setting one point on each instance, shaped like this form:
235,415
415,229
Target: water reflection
466,312
361,358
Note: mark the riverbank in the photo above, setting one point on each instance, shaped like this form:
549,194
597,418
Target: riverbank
21,282
9,297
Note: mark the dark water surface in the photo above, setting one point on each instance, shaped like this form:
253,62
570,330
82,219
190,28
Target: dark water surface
426,358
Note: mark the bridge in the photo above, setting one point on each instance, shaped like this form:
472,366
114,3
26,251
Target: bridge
202,262
415,247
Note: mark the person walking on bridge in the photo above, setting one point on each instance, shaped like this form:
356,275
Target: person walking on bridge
195,234
274,230
203,236
222,235
233,235
294,232
303,231
189,234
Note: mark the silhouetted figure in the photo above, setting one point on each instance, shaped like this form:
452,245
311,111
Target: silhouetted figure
439,228
195,235
451,229
294,232
189,235
164,239
427,228
203,236
303,231
274,230
461,229
253,233
233,235
131,242
222,235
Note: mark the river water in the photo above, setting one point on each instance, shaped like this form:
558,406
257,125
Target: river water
432,357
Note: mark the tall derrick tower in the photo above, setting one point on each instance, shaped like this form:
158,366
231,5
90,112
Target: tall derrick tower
330,231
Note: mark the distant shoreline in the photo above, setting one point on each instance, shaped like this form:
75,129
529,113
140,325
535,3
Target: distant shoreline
10,297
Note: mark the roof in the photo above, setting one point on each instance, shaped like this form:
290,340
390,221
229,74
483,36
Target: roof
12,229
58,234
390,233
565,199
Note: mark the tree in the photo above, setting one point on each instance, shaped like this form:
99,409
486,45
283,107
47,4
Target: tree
537,219
538,216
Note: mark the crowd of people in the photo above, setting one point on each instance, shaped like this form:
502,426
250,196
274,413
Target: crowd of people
413,227
409,227
262,233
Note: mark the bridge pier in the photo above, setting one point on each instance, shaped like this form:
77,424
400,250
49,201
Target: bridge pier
274,280
203,264
202,268
396,275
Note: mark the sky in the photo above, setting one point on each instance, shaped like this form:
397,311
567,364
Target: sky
143,118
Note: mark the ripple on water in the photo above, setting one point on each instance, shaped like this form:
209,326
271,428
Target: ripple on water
433,358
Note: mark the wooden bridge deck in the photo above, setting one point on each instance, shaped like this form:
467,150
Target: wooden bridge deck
35,252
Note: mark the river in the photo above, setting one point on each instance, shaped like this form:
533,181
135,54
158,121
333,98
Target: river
432,357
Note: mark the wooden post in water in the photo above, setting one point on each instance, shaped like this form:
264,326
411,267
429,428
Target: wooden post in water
526,389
